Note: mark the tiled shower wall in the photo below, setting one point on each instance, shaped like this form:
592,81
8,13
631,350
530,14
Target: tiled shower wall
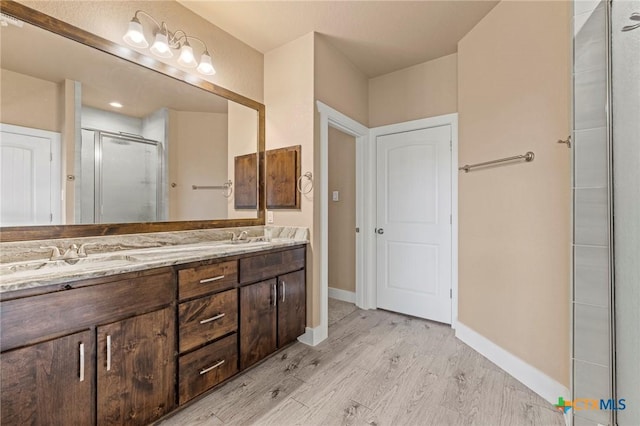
591,190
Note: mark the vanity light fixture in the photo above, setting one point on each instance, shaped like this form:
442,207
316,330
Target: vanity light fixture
115,104
166,41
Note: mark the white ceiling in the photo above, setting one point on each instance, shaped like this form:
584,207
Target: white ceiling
377,36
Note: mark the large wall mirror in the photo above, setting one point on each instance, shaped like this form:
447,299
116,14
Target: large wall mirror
152,148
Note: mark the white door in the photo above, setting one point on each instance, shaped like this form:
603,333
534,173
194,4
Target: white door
413,223
26,178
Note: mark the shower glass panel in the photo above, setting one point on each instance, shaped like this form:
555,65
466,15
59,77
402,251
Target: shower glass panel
120,177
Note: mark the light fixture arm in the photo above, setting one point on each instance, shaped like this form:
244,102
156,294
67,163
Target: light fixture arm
177,40
142,12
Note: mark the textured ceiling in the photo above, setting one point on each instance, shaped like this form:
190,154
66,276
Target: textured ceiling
377,36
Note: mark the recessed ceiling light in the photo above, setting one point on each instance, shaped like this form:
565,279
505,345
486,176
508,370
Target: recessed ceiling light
116,104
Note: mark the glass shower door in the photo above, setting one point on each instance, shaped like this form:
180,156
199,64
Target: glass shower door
128,184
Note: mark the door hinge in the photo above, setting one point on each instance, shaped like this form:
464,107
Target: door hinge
450,293
51,157
450,145
357,230
50,217
450,219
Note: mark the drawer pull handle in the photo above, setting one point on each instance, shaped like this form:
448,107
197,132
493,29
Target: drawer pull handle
275,294
216,365
284,291
82,362
208,280
108,352
204,321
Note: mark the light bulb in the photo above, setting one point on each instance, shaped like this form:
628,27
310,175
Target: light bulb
160,46
205,66
135,36
186,58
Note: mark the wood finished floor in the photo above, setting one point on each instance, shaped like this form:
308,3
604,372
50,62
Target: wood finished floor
376,368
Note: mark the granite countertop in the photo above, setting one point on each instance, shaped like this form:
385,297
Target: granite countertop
31,273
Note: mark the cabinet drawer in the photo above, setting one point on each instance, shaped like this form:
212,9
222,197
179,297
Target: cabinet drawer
193,282
206,367
264,266
207,318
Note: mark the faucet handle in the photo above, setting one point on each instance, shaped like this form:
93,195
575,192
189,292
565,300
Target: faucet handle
71,252
55,252
81,250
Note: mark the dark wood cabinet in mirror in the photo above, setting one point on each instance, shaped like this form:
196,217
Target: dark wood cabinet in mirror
167,206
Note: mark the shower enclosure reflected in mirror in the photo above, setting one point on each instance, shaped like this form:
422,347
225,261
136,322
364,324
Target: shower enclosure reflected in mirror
134,144
121,178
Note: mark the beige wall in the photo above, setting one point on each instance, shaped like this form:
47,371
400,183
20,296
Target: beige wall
288,94
197,156
243,139
342,213
338,83
31,102
424,90
239,67
342,86
296,74
514,229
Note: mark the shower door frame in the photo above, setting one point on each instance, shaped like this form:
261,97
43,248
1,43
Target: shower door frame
98,175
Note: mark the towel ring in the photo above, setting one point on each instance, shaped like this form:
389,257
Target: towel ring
309,186
229,189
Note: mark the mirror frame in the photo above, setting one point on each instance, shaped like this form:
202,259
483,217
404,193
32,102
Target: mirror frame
49,23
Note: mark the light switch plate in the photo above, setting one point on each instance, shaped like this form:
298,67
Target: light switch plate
336,196
269,216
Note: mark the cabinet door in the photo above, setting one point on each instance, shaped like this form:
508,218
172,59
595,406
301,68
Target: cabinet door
136,369
292,303
50,382
257,322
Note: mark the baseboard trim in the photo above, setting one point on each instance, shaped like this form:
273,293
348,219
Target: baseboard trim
525,373
313,336
344,295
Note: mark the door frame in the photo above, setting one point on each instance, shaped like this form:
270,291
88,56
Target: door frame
57,195
330,117
371,200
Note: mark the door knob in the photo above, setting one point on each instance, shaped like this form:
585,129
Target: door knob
380,231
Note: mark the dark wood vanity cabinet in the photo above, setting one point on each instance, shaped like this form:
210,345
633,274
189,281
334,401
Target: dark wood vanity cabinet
292,304
128,349
136,369
207,327
102,352
258,324
273,310
49,382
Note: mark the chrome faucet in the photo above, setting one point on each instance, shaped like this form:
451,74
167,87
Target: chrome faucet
73,252
243,237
